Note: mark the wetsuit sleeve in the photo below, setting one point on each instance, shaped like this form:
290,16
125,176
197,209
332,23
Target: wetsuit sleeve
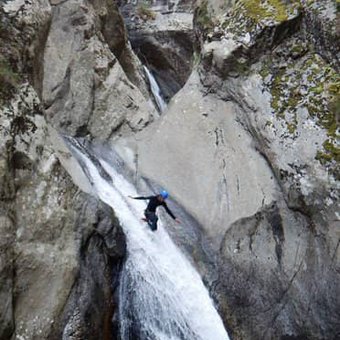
142,198
168,211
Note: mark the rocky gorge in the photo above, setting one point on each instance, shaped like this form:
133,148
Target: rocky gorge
248,148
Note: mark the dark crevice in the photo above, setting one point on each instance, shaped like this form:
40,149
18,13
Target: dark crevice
275,220
281,298
171,66
168,54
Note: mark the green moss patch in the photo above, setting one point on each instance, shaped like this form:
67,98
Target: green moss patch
311,84
274,10
334,104
250,16
203,18
331,152
9,80
145,12
259,10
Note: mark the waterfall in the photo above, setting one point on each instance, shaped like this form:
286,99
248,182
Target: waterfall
161,296
176,3
155,90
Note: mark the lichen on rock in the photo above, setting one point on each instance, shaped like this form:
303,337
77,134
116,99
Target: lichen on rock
302,79
277,62
269,10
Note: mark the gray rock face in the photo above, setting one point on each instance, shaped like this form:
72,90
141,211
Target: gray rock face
85,85
287,99
52,234
211,173
322,24
249,147
6,277
90,306
162,36
22,51
26,24
279,277
168,55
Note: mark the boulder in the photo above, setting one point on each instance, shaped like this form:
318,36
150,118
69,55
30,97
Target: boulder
82,69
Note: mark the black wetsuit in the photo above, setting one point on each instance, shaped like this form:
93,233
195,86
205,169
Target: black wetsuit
150,211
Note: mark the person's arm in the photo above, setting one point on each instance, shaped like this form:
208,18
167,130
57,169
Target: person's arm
141,197
169,211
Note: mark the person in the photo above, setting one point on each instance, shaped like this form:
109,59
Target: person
154,203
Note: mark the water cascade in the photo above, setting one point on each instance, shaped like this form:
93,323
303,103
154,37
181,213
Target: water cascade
155,90
161,296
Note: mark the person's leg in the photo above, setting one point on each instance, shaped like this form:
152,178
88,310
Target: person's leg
152,219
146,214
154,222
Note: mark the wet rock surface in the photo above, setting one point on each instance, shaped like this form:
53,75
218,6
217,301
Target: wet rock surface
92,304
168,55
52,233
249,147
162,36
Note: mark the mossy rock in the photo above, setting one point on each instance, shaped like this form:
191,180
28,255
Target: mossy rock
322,85
9,80
203,18
145,12
276,10
259,10
307,83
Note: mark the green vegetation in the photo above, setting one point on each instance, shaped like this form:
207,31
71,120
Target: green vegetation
299,79
241,66
286,99
334,107
196,58
332,149
265,71
8,79
331,152
330,120
334,104
314,85
203,17
291,127
145,12
250,15
259,10
298,49
309,83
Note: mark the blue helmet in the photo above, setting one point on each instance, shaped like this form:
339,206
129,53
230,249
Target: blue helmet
164,194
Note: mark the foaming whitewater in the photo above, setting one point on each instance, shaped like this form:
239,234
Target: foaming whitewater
156,91
161,296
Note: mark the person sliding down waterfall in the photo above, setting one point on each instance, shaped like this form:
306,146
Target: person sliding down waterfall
154,203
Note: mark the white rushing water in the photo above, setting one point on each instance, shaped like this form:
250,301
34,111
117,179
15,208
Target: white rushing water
176,3
156,91
161,295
